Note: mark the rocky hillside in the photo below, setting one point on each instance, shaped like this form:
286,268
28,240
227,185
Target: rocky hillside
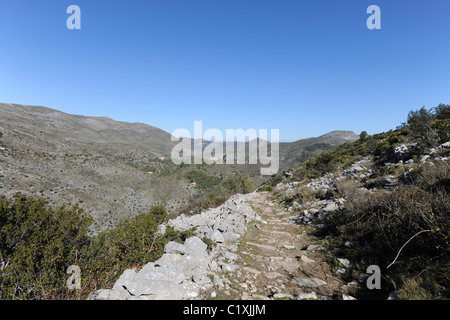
113,169
380,201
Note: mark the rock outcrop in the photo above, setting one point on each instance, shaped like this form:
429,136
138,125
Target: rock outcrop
222,224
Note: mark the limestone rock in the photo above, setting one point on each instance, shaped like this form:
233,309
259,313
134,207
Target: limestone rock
175,247
308,282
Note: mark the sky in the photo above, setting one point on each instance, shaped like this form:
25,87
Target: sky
305,67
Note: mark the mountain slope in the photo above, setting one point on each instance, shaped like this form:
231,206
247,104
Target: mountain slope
51,130
114,169
294,153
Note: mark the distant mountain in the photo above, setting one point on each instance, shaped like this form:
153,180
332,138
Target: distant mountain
294,153
50,130
114,169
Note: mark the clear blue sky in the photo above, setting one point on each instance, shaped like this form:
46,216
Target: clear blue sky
305,67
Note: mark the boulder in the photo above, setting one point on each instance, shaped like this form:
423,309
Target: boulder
175,247
404,151
196,247
216,236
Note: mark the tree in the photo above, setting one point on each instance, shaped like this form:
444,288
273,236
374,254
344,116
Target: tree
419,121
420,124
442,112
363,135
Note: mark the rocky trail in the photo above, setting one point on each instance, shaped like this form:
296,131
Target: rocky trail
259,252
279,259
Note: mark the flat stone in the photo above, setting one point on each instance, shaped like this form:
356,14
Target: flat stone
243,285
216,236
252,270
262,246
230,236
307,296
228,267
308,282
306,259
345,262
282,296
107,294
196,247
175,247
339,270
259,297
272,275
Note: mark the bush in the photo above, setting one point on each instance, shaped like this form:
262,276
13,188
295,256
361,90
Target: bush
202,180
268,188
37,245
131,244
237,184
442,129
386,221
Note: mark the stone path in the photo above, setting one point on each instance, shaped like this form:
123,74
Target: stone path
278,259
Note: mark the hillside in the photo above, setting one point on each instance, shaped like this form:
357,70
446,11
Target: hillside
294,153
382,200
113,169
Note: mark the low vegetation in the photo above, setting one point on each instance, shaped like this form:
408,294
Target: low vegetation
404,229
384,222
215,191
39,243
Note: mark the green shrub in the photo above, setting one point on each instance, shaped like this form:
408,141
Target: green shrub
442,129
268,188
237,184
318,147
202,180
396,139
382,148
131,244
38,244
